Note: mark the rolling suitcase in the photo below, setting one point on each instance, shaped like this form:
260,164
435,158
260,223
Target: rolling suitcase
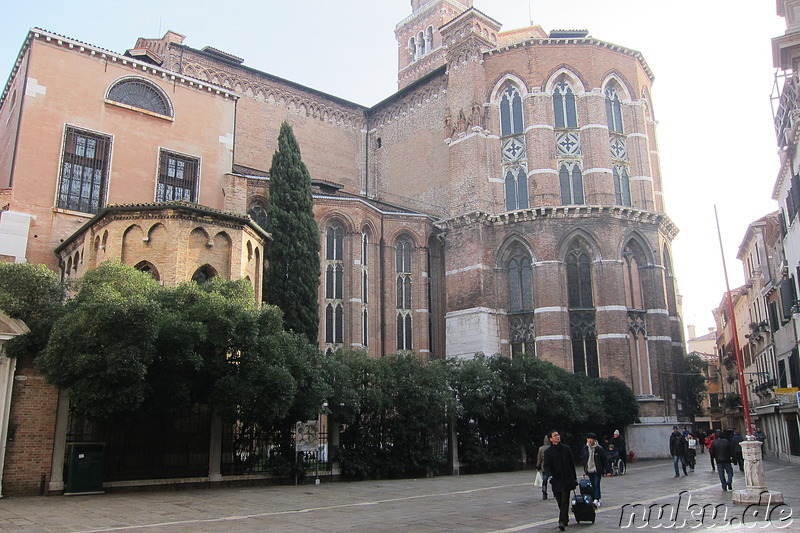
586,487
583,508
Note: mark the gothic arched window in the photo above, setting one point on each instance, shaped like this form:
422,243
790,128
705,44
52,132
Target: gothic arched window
334,284
520,304
203,274
571,179
637,321
613,109
582,320
403,284
514,151
566,115
622,185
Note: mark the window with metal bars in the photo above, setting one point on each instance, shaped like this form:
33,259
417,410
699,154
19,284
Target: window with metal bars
84,171
138,92
177,177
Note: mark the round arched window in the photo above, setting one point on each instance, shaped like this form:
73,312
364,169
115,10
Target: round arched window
138,92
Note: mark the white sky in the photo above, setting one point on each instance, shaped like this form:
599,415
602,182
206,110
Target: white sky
712,61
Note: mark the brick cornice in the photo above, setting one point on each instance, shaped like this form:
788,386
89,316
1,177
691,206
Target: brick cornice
583,41
96,52
661,220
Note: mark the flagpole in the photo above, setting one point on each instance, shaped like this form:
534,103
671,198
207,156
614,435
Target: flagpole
736,349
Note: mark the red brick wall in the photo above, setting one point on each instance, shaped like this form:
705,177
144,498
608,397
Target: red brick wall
32,421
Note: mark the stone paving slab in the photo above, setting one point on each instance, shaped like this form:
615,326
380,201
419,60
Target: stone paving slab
490,503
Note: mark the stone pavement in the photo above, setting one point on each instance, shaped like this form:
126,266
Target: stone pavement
491,503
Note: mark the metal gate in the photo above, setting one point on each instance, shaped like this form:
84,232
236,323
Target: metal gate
138,446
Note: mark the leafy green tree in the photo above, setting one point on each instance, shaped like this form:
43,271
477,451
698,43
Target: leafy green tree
103,345
696,388
418,393
481,415
32,293
617,404
126,344
292,275
358,399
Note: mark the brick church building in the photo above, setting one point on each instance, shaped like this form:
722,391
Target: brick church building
506,199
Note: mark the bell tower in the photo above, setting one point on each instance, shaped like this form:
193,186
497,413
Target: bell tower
419,44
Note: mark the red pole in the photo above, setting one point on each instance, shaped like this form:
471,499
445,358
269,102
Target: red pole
736,349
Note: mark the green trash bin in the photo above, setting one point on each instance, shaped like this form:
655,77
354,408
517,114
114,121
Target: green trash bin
84,468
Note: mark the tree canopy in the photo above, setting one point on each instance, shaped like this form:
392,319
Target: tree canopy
696,388
291,279
124,342
34,294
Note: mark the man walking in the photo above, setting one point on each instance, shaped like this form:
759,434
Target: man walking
709,441
677,449
736,448
560,469
722,451
595,464
540,463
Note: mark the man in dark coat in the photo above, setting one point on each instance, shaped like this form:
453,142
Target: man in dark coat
736,444
678,448
559,467
722,451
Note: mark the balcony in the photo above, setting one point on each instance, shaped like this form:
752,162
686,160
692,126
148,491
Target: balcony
785,107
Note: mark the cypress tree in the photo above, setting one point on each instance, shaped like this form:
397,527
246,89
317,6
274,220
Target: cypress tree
291,279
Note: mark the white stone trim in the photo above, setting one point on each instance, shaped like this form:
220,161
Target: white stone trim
637,134
641,178
451,142
355,300
227,140
594,126
542,263
479,266
597,170
421,311
471,311
33,89
543,171
612,308
552,338
661,338
657,312
609,336
539,127
554,309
